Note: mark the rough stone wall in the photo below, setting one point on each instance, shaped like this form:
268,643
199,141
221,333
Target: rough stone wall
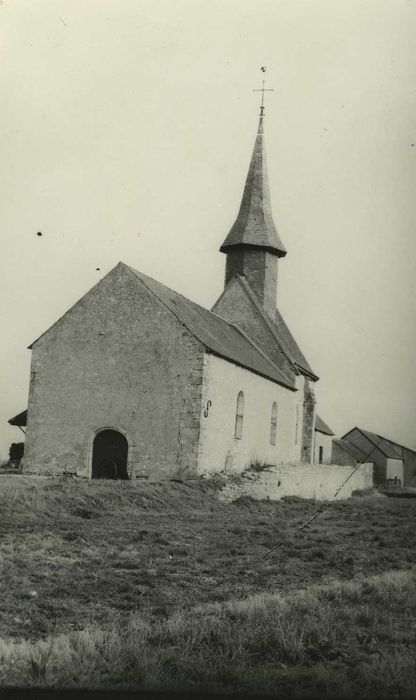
308,423
118,359
306,481
219,450
324,441
260,270
235,306
300,386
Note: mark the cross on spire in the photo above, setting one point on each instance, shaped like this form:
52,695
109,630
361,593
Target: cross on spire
263,90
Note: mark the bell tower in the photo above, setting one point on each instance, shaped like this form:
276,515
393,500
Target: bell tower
253,245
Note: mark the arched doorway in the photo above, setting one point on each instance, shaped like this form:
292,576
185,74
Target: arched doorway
109,455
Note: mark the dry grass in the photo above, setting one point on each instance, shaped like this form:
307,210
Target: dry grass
123,565
339,640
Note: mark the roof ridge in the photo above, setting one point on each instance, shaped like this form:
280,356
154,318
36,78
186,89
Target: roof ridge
323,427
285,380
272,327
349,447
133,271
257,348
365,433
251,295
382,437
304,370
74,305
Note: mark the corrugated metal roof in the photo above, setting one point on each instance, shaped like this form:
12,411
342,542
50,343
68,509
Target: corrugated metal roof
349,447
389,448
217,335
322,427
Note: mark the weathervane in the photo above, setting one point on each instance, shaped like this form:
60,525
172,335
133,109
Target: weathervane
263,90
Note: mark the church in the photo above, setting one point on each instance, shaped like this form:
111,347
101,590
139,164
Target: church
136,381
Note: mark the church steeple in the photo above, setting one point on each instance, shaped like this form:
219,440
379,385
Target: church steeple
254,225
253,244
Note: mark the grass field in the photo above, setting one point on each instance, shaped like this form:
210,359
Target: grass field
139,585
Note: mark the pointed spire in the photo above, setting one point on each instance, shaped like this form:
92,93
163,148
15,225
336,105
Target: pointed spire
254,226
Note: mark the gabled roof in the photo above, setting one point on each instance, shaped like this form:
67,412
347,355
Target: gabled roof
292,347
217,335
322,427
390,449
258,314
278,329
350,448
254,225
19,420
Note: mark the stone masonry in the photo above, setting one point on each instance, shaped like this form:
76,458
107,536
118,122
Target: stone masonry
308,423
259,267
118,359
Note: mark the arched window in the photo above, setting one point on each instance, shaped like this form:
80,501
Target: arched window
273,424
238,431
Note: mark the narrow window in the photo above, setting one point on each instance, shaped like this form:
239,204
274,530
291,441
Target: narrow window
238,432
273,424
321,454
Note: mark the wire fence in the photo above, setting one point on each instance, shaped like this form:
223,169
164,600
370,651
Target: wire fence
325,505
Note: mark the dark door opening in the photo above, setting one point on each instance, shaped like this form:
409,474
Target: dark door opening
109,455
321,454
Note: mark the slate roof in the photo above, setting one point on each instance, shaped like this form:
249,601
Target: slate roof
254,225
390,449
291,345
279,332
322,427
217,335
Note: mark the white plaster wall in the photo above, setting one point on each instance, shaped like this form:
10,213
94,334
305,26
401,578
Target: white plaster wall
325,441
218,449
304,480
394,467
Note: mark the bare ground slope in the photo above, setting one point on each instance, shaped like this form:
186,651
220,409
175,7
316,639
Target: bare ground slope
77,553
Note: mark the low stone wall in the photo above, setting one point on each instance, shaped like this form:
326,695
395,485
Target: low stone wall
307,481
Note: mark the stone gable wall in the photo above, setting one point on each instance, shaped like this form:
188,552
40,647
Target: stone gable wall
235,306
118,359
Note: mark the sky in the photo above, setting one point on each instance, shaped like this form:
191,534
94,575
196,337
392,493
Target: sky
126,130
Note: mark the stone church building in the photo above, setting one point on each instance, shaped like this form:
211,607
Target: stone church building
136,381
